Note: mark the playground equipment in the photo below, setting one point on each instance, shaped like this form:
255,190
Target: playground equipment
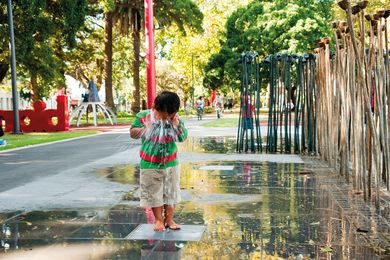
96,106
40,119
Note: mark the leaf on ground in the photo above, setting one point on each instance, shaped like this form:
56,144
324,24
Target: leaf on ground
326,249
362,230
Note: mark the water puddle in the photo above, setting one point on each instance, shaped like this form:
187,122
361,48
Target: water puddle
209,145
250,210
227,145
124,174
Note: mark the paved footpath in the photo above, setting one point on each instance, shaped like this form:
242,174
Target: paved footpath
21,166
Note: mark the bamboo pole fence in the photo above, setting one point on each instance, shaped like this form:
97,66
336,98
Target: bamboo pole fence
353,100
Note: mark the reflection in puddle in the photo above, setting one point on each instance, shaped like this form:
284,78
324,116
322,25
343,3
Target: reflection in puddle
251,211
125,174
226,145
209,145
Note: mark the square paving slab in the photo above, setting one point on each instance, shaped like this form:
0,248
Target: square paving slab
186,233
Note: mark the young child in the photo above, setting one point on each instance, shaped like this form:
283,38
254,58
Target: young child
159,128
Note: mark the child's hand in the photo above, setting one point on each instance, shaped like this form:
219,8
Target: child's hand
147,125
147,122
175,121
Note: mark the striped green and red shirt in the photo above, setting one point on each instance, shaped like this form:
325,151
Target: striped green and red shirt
159,150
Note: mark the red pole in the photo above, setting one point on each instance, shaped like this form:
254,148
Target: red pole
150,60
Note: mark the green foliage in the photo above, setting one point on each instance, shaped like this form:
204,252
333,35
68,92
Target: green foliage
43,30
184,13
191,51
208,109
124,114
167,78
267,27
108,5
86,60
214,70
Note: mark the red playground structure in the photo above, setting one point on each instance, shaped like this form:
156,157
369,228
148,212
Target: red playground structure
40,119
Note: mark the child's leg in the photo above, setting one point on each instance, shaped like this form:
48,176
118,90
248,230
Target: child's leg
158,215
169,212
171,196
151,194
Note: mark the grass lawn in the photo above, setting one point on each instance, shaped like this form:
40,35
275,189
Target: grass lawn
14,141
120,120
222,122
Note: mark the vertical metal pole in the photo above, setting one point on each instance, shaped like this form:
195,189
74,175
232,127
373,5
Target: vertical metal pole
150,59
15,95
193,86
240,123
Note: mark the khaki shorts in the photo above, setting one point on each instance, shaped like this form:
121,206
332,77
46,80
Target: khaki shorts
160,186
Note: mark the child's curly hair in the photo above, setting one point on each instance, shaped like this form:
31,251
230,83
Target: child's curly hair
167,101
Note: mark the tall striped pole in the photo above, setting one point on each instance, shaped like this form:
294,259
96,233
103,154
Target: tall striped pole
150,56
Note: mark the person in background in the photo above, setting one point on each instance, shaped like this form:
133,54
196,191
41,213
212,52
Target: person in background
199,107
218,105
247,114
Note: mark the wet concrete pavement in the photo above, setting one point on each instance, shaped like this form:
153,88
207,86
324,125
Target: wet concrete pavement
253,207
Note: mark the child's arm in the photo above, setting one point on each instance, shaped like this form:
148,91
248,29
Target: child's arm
138,127
136,132
183,132
180,129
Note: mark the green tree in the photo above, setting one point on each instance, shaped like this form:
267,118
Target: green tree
122,18
86,60
191,51
183,13
267,27
167,77
44,29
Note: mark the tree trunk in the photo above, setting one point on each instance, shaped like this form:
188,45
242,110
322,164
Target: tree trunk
3,70
136,20
34,88
108,59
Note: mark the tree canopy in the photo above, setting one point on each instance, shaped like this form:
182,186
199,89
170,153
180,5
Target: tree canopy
44,30
183,14
267,27
198,41
190,52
